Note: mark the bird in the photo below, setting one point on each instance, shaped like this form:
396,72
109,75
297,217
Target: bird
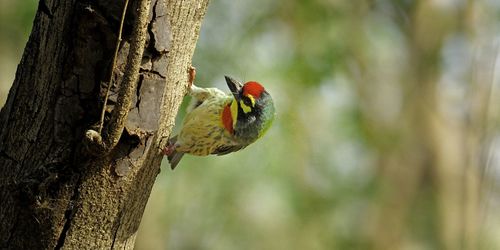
220,123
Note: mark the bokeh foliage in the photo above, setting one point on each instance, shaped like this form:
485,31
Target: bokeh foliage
385,138
16,18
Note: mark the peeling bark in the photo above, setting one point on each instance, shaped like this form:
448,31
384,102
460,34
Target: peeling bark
53,194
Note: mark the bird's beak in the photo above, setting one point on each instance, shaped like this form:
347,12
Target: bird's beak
234,86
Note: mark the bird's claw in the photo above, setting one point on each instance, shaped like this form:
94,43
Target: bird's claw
191,76
169,149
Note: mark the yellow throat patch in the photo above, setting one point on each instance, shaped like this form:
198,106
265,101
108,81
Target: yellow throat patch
234,112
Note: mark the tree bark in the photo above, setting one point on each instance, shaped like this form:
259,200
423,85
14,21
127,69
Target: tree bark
53,193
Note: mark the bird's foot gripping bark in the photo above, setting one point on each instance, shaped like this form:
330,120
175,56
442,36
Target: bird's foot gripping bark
191,77
169,149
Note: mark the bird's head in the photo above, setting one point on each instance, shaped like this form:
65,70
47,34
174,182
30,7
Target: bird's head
249,96
252,109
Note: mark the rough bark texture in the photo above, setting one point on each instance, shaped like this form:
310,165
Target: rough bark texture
53,195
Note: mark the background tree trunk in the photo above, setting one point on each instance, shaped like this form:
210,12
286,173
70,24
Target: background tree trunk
52,193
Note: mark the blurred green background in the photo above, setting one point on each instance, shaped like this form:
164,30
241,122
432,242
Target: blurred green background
386,134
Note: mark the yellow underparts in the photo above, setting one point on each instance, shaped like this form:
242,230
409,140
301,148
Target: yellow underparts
244,107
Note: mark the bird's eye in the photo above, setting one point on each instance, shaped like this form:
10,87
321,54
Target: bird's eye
247,101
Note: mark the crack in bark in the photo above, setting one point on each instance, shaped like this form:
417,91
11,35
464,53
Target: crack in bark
118,224
154,72
68,214
152,39
71,207
62,235
138,93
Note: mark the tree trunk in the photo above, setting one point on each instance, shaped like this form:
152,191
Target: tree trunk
53,193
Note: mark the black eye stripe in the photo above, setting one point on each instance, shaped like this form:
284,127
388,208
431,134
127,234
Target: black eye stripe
247,101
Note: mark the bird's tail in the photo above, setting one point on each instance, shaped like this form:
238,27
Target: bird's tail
175,156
